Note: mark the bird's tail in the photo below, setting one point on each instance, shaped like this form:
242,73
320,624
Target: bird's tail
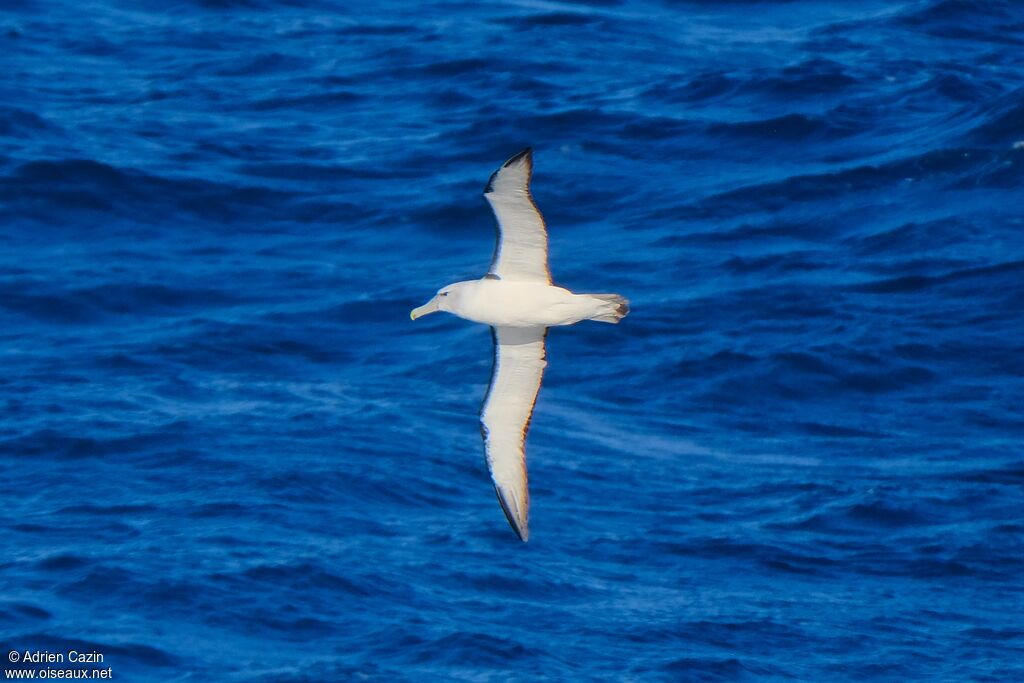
613,307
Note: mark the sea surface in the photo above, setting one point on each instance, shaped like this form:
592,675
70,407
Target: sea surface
227,454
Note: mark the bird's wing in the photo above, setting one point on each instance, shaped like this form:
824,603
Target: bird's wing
521,252
505,416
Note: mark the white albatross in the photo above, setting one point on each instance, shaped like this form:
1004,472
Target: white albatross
516,298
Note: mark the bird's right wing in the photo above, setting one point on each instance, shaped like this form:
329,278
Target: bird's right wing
521,252
519,360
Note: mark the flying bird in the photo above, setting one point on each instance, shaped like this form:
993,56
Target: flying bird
517,299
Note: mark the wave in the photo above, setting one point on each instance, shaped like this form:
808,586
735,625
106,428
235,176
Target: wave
21,123
36,300
61,445
961,168
69,190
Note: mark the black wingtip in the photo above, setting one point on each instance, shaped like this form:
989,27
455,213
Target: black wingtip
510,516
525,154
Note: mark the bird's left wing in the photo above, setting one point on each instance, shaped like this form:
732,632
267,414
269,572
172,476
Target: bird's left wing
519,361
521,252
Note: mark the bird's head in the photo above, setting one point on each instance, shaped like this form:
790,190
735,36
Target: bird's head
446,299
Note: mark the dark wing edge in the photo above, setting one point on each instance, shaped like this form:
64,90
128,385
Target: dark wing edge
526,154
506,499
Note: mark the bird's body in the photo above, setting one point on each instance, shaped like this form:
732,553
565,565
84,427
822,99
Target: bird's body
509,303
516,298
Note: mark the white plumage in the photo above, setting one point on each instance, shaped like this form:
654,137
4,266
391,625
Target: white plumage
521,251
516,298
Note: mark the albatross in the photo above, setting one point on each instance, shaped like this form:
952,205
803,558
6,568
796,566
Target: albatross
519,302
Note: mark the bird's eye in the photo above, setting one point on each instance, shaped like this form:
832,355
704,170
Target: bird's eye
444,293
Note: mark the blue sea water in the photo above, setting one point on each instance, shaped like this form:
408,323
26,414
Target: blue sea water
228,455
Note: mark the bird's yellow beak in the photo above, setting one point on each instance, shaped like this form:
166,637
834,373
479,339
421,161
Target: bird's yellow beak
429,307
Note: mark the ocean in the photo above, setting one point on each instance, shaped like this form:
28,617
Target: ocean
227,454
